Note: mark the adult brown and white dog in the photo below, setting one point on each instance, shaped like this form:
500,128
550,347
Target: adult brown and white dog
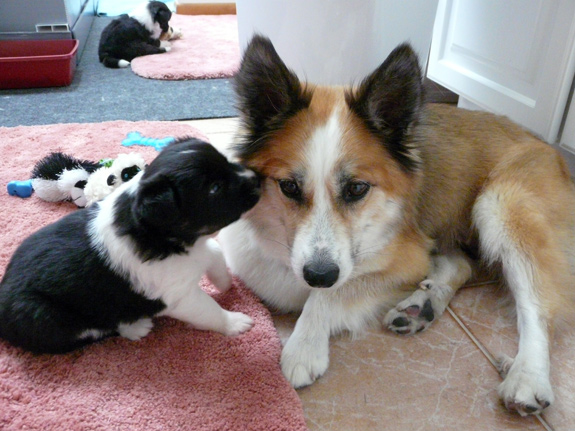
368,191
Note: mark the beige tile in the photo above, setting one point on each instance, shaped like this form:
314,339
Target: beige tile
488,314
436,380
220,131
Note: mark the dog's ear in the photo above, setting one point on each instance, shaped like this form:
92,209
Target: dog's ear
157,203
389,102
160,13
268,92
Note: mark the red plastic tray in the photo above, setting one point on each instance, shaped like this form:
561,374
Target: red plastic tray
37,63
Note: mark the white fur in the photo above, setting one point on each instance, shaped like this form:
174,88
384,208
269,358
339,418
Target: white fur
320,233
137,330
174,279
94,334
141,13
527,380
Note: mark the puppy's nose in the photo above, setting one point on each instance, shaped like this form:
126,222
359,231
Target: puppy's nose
321,274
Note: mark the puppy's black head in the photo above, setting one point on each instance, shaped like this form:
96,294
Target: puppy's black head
191,190
160,13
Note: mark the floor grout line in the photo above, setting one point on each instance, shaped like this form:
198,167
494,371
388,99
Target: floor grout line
486,352
473,338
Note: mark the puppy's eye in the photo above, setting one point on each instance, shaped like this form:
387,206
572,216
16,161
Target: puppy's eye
290,188
355,191
215,188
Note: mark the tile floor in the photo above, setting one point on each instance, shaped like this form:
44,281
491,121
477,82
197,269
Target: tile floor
441,379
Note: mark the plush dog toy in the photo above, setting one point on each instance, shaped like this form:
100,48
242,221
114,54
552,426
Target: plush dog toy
109,177
60,177
171,34
56,176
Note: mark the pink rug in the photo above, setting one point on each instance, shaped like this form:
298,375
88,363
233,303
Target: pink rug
176,378
209,48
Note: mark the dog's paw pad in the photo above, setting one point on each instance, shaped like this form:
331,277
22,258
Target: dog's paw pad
411,319
136,330
238,323
417,313
525,409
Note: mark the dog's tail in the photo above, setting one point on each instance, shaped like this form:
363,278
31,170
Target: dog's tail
113,63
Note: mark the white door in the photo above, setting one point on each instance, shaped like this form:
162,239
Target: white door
512,57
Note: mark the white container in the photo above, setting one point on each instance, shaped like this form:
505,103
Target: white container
337,42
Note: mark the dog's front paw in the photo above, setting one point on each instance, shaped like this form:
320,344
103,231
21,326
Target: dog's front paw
302,363
136,330
524,390
165,44
237,323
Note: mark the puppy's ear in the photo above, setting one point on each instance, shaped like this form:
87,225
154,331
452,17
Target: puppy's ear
160,13
157,203
389,101
268,92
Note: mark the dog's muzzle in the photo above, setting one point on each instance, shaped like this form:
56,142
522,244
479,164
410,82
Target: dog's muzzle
321,273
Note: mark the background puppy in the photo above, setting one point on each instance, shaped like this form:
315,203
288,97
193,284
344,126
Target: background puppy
367,191
135,35
138,253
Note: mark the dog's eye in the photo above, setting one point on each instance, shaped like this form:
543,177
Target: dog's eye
290,189
355,191
215,188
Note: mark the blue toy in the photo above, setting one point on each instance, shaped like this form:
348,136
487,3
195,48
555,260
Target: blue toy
21,189
135,138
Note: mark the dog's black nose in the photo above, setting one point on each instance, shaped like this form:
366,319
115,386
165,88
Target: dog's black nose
323,274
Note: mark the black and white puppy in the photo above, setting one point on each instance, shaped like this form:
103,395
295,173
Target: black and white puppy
135,35
108,269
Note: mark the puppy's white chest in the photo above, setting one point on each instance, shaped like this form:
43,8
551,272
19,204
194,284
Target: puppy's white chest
171,278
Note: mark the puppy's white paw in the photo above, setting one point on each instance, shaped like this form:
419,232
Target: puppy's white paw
524,390
136,330
302,363
420,310
165,44
123,63
237,323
